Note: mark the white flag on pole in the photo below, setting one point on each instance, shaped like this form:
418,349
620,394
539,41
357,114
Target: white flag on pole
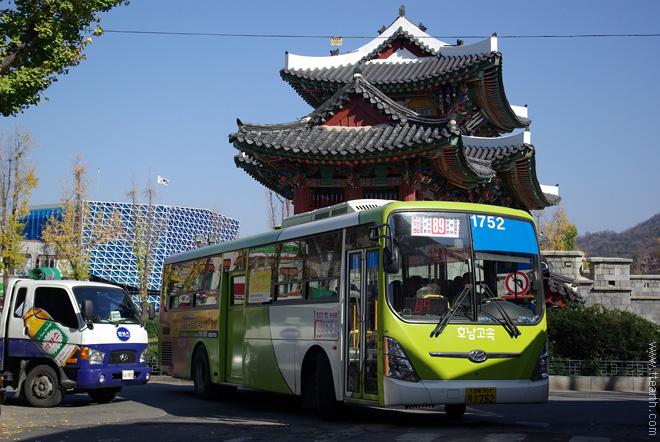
163,181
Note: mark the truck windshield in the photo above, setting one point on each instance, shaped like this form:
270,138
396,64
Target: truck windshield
443,253
111,304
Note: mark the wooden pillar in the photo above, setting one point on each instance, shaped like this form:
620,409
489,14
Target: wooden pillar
353,193
407,193
300,200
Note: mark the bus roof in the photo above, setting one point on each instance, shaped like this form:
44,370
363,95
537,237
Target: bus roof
361,214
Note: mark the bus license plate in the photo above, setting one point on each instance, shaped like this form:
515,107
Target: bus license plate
480,395
127,375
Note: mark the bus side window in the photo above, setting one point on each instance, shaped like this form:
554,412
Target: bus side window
237,290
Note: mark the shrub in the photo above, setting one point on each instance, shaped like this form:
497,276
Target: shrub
595,333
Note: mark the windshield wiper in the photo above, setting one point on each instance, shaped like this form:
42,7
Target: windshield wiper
506,321
450,313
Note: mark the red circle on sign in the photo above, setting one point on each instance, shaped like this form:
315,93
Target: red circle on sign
517,283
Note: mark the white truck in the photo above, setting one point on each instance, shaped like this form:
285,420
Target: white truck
60,337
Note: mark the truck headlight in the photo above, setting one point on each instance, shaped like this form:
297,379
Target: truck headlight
143,356
396,362
96,356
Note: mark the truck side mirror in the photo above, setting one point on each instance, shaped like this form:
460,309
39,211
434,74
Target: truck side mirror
87,309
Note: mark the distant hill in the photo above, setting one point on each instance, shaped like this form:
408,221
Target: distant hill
639,243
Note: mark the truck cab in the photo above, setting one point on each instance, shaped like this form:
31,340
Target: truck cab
61,337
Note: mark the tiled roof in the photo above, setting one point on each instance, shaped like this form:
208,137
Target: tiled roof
400,33
309,136
464,161
383,72
562,285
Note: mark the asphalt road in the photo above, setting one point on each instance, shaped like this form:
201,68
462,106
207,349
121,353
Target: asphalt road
169,411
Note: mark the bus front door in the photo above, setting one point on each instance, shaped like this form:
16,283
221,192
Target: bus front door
362,325
235,327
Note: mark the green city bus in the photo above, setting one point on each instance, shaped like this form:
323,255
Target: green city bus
372,301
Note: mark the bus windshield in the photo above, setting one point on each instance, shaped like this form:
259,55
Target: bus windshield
443,255
111,304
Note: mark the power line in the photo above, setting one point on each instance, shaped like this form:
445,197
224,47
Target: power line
214,34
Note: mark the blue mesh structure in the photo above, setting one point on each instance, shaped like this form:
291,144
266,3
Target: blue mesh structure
37,219
176,230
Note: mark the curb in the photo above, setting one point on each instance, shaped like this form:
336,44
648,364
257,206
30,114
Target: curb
600,383
557,383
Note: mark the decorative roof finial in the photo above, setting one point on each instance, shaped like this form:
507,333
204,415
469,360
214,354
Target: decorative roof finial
357,72
334,52
402,11
381,30
422,27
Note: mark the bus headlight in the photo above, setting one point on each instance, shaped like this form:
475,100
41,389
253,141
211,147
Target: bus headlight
541,369
143,356
396,362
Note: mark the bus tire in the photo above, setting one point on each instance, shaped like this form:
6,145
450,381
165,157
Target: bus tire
455,411
326,402
103,395
201,374
42,387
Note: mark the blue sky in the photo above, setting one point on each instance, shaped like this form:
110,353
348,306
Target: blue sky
167,103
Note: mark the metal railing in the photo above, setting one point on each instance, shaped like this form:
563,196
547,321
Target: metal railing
575,367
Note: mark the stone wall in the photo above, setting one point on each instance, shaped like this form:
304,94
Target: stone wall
608,282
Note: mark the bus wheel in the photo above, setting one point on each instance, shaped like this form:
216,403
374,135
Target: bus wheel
204,388
42,387
455,411
103,395
326,401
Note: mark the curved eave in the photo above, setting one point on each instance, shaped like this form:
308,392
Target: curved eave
513,159
259,174
521,178
489,92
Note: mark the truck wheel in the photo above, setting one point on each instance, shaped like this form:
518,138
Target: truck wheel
103,395
42,387
201,374
326,402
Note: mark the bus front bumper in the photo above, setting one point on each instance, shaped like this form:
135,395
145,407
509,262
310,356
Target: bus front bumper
439,392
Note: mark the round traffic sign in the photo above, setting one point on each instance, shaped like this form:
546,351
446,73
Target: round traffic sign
517,283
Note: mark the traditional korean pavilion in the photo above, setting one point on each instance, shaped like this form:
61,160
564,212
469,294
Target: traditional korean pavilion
404,117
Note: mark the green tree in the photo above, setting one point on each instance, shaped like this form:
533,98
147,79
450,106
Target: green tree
599,334
17,179
77,233
557,231
42,39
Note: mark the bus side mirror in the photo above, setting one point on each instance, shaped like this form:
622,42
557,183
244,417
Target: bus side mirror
391,259
87,309
152,312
